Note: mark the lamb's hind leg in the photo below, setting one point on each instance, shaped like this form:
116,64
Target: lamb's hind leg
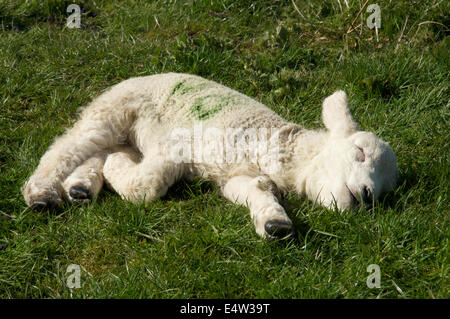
86,181
98,129
136,179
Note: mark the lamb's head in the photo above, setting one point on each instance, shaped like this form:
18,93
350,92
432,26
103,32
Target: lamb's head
354,167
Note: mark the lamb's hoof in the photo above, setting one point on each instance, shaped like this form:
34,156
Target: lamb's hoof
80,193
44,203
279,228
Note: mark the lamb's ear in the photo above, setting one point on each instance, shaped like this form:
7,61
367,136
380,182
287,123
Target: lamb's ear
336,115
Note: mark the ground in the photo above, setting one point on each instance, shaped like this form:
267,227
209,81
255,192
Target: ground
193,243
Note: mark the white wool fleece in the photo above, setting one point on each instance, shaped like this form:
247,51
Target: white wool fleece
145,133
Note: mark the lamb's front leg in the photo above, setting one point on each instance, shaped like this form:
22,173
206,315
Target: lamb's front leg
139,179
257,194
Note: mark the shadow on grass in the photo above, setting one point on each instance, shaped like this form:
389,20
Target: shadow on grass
184,190
407,181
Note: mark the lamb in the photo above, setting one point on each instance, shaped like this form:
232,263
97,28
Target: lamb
145,133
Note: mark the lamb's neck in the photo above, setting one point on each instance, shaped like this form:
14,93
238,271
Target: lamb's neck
300,153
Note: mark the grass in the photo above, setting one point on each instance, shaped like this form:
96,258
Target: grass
192,243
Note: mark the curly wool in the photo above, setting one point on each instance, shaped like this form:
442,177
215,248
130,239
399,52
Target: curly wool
126,138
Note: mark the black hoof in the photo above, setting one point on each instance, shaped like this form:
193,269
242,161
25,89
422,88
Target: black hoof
80,192
279,228
43,203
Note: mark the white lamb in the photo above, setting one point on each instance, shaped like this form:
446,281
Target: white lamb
145,133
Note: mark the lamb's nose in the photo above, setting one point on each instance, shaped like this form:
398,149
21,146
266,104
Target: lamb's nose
366,195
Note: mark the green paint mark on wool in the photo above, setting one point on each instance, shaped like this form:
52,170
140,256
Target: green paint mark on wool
205,106
184,87
209,105
177,87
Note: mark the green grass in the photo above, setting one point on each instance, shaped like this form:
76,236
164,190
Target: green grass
193,243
